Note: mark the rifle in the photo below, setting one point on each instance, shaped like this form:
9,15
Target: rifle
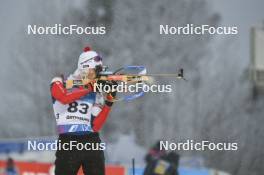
140,76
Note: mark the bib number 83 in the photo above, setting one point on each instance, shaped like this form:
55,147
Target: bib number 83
74,107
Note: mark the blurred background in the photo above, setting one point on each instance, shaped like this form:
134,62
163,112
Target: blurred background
222,100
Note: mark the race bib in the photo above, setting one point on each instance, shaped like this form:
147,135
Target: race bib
161,167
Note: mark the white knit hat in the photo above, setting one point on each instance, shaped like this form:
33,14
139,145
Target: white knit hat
85,60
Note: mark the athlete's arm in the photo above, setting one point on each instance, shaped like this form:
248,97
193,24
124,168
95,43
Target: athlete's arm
60,93
99,121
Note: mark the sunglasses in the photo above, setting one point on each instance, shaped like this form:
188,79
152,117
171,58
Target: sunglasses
97,58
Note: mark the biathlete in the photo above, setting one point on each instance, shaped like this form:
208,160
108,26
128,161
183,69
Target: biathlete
80,114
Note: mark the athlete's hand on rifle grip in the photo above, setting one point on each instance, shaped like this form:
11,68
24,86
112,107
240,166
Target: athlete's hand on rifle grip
111,95
90,85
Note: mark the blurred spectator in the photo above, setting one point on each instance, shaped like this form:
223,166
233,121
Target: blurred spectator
154,153
161,163
10,167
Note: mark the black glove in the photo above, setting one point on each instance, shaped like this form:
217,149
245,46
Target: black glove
111,95
98,70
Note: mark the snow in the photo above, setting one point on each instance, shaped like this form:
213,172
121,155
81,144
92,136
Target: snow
124,149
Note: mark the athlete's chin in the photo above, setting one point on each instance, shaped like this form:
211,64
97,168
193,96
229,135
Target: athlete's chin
91,77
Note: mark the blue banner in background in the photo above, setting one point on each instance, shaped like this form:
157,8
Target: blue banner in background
182,171
189,171
138,171
10,147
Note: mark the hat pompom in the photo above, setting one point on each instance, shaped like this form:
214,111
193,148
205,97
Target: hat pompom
86,49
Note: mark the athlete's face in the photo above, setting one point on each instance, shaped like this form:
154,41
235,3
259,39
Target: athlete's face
91,73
